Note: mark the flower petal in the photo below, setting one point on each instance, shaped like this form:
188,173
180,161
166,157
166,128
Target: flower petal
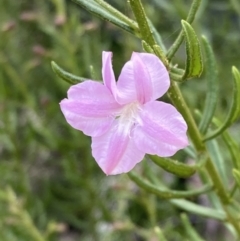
162,130
126,90
134,82
90,107
143,83
158,73
143,78
107,72
115,152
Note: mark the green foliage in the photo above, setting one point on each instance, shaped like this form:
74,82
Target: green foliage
194,65
234,111
212,87
68,77
51,188
178,168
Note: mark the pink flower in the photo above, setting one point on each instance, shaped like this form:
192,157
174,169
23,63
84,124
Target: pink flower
123,118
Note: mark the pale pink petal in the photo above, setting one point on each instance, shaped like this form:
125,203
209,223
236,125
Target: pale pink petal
115,151
134,83
107,72
126,85
158,73
142,79
161,130
90,107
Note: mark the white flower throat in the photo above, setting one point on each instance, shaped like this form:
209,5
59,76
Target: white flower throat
129,115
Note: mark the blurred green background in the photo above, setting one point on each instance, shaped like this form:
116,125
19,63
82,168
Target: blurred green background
50,186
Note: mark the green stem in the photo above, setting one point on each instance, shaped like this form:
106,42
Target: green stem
146,29
194,134
142,21
211,169
191,15
177,99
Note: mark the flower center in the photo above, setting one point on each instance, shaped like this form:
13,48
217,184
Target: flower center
129,115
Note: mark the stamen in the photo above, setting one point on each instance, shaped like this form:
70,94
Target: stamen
129,116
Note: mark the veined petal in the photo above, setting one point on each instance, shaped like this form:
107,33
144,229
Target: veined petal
159,77
134,83
115,152
107,72
142,79
162,130
126,90
90,107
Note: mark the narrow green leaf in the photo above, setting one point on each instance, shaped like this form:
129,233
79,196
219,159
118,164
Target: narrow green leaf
231,145
191,15
212,196
212,87
236,104
176,77
70,78
199,210
234,111
116,13
218,160
176,70
102,13
187,205
233,149
229,142
165,193
236,174
176,74
175,167
194,65
191,232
